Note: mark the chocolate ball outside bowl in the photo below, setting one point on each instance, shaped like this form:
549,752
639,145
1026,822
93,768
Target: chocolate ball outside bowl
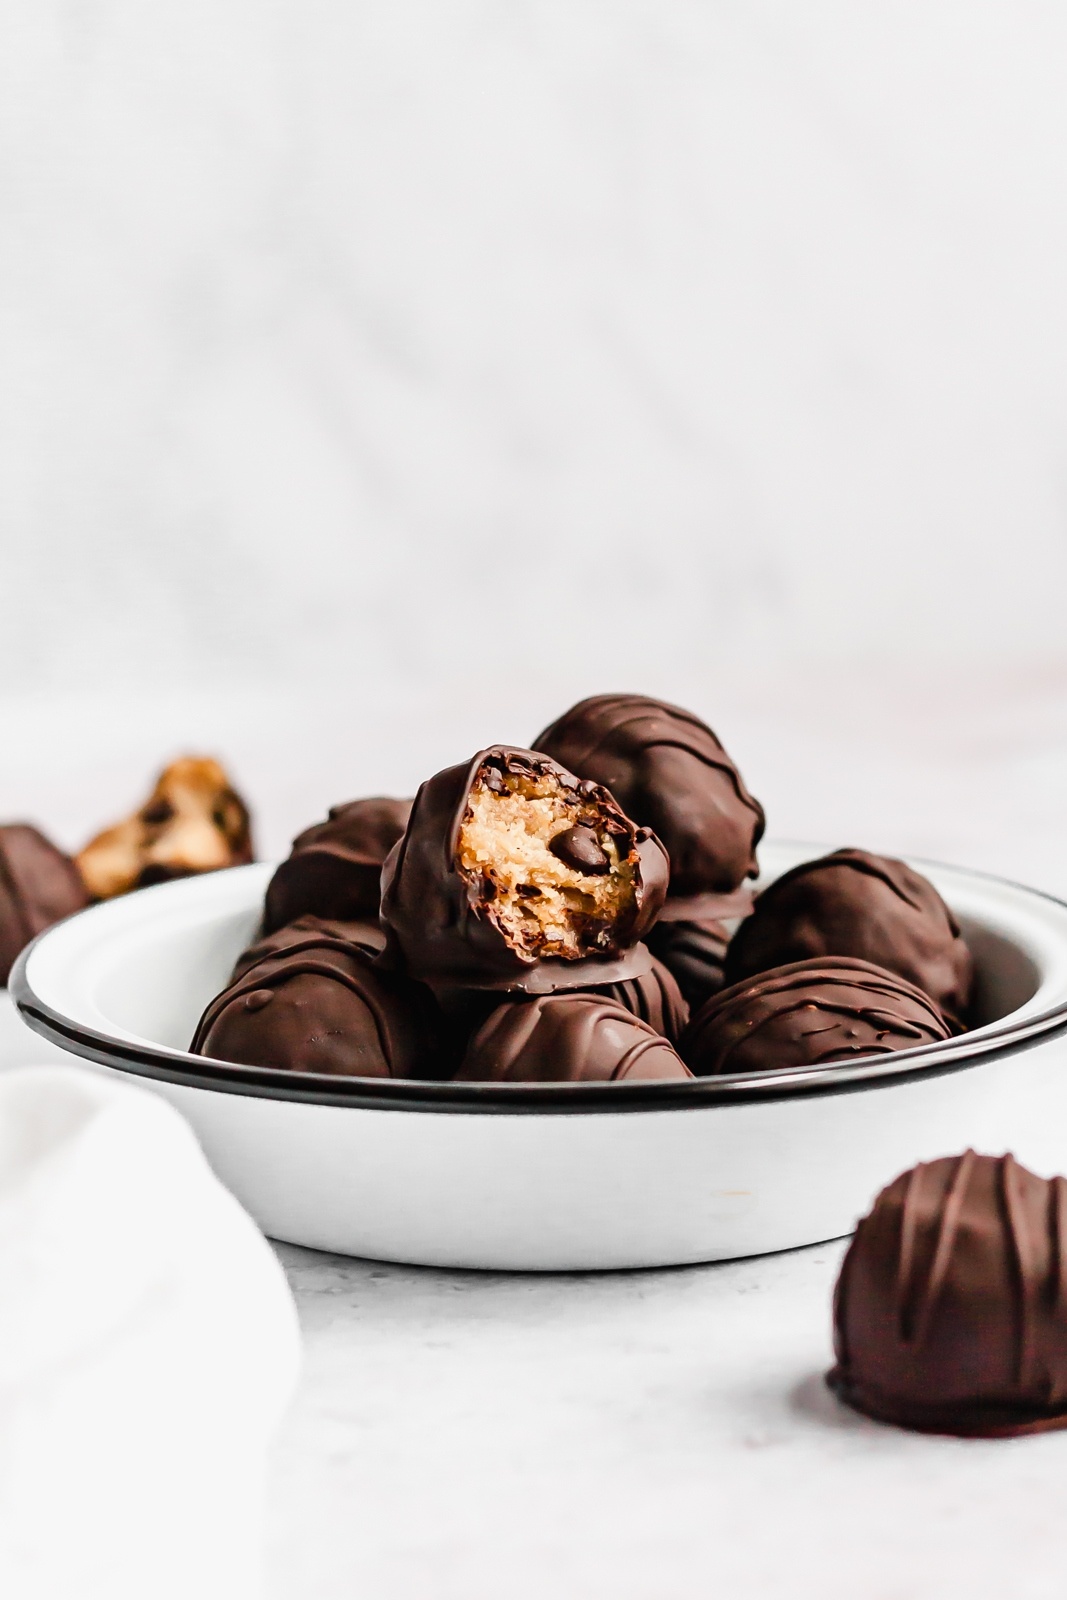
513,873
807,1014
334,869
193,821
669,772
573,1037
39,885
324,1006
950,1312
854,903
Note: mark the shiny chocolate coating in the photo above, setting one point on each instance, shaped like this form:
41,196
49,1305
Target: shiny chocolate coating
694,953
950,1313
808,1013
669,772
442,928
575,1037
654,998
367,935
853,903
334,869
39,885
322,1005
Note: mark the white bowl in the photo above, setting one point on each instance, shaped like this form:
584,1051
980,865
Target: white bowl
554,1177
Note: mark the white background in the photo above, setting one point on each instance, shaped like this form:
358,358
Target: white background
377,378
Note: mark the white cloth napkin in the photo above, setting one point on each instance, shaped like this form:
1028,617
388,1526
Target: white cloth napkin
148,1346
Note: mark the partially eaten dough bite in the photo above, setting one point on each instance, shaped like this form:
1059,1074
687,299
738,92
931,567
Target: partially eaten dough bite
193,821
549,860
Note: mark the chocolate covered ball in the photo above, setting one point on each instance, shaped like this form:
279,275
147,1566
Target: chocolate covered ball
514,873
950,1313
334,869
668,771
654,998
853,903
193,821
39,885
321,1005
809,1013
694,953
368,936
574,1037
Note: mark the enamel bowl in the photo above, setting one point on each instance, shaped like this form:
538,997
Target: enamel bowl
572,1176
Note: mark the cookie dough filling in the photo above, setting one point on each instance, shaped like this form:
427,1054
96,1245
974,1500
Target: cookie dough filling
553,868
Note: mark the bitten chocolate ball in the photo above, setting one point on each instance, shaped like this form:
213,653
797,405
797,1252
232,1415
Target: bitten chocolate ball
193,821
576,1037
38,886
808,1013
694,953
321,1005
368,936
515,873
334,869
654,998
950,1313
668,771
853,903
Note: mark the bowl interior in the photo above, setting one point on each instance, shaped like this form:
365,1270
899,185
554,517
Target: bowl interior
142,969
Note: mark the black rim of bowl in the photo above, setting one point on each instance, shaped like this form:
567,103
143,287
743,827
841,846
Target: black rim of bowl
162,1064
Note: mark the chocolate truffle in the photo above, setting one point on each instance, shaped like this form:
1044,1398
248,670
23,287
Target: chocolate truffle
654,998
321,1005
694,953
38,886
193,821
515,873
950,1313
670,773
334,869
852,903
575,1037
808,1013
368,936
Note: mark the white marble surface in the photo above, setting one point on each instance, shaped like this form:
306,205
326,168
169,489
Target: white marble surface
632,1436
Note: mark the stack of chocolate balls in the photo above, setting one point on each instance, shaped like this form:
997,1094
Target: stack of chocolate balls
577,912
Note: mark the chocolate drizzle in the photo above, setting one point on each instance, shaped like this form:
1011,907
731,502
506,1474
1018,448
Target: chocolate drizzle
669,772
949,1312
576,1037
368,936
694,952
806,1013
654,998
